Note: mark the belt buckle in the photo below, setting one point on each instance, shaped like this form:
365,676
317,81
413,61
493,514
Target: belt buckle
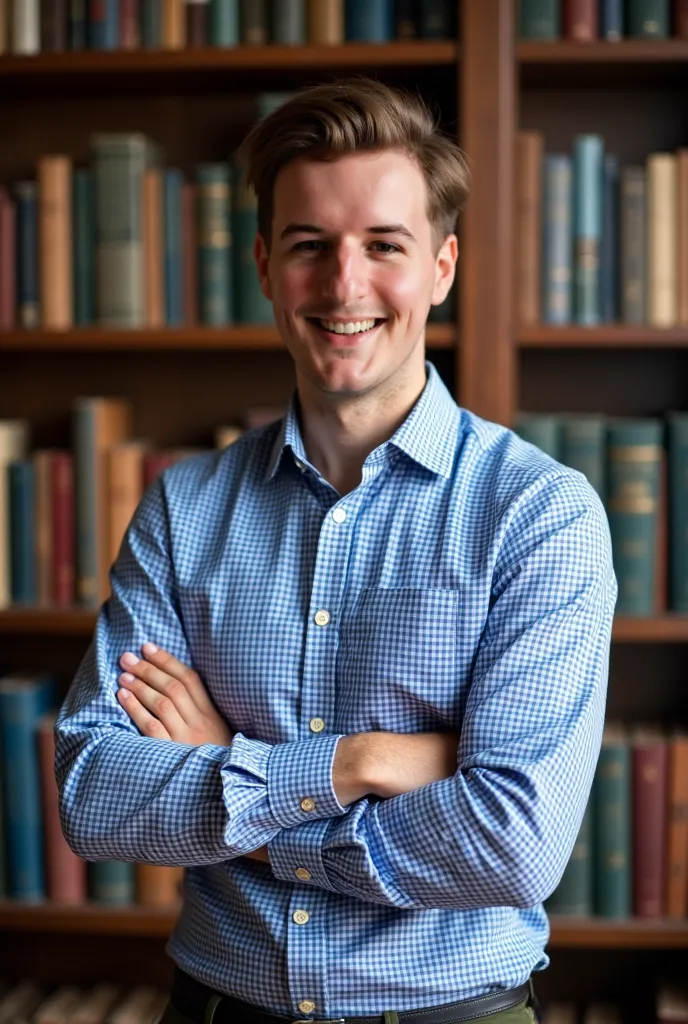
310,1020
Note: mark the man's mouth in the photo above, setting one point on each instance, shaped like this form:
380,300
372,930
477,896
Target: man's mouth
347,326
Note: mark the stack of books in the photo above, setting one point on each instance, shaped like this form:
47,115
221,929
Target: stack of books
584,21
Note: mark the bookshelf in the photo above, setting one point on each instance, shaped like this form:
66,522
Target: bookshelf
197,103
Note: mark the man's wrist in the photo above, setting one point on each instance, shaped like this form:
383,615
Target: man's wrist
353,769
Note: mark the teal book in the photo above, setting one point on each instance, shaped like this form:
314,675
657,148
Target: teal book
251,305
612,854
214,244
541,429
77,25
634,455
103,27
22,492
584,447
677,430
609,249
83,248
633,255
647,19
539,19
574,894
224,22
173,182
588,159
369,21
288,23
557,239
151,24
111,882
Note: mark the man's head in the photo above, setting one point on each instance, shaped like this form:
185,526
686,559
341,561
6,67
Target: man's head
358,196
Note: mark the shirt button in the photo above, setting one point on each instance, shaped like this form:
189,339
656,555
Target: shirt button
339,515
322,617
301,917
304,874
316,724
306,1006
308,804
300,465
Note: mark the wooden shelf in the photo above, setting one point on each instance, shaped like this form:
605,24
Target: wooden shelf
564,63
239,338
603,933
608,336
661,629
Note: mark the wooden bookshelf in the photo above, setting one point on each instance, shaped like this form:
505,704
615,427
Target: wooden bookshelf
609,336
599,64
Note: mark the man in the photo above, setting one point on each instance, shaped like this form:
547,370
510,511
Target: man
382,628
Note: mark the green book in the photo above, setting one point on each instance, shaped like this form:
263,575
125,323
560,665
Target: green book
584,447
574,894
214,244
539,19
612,826
634,452
83,249
251,305
647,19
677,429
111,882
224,22
541,429
151,24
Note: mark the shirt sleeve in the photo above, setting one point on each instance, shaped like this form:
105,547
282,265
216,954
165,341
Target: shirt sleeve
131,797
501,830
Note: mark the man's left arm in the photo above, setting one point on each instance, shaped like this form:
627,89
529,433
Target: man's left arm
500,831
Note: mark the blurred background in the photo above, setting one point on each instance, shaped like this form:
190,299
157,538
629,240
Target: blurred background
133,334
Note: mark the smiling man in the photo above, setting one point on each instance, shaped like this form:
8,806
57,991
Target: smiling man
371,719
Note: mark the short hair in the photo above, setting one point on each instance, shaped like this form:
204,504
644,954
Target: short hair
325,122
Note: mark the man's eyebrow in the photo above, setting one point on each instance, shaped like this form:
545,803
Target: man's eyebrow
377,229
297,229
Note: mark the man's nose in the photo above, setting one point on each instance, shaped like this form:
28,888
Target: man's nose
345,275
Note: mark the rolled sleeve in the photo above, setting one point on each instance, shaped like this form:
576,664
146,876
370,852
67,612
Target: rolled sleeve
296,855
299,780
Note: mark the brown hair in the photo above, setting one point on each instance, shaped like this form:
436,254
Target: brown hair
325,122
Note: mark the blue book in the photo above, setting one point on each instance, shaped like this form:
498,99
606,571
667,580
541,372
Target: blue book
104,25
174,284
369,21
111,882
557,239
28,308
151,24
23,699
251,305
22,493
224,22
214,244
588,159
83,247
611,20
609,249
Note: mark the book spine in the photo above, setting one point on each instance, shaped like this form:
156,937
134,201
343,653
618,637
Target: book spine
214,244
407,21
661,228
83,247
529,147
557,239
53,26
539,19
584,447
580,20
544,431
153,245
574,894
677,429
26,26
611,20
78,25
8,277
103,25
151,24
224,22
326,22
633,476
13,446
251,305
368,21
43,527
436,19
588,158
677,830
173,25
633,245
289,22
86,472
111,882
254,22
28,308
174,285
197,22
649,789
682,237
681,19
62,491
65,873
22,494
129,24
125,490
55,241
190,252
612,832
4,48
158,886
609,247
648,19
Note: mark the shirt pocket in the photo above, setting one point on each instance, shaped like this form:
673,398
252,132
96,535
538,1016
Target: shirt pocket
398,661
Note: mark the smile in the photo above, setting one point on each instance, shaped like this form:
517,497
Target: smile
348,327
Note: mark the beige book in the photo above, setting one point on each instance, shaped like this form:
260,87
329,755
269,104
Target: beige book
326,22
661,238
59,1006
528,226
125,488
14,444
158,885
55,241
153,249
682,239
25,24
226,435
173,25
4,24
44,527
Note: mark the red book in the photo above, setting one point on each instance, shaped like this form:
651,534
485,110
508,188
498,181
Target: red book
129,19
189,253
62,487
65,872
649,814
154,463
196,22
7,263
581,20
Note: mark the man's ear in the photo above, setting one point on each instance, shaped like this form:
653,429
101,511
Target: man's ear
445,268
262,256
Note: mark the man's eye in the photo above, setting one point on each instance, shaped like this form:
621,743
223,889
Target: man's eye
386,247
312,245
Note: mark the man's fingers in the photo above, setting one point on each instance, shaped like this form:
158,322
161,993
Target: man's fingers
164,683
178,670
155,702
146,723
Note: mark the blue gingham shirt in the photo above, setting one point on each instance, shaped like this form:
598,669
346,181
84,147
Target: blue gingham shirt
465,585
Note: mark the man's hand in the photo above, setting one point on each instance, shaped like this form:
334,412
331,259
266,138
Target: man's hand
167,700
388,764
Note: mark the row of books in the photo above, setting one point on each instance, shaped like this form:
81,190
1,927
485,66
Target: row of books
631,854
639,468
37,26
63,513
598,243
584,21
670,1005
30,1001
35,861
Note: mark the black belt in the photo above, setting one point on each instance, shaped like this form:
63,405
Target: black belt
191,998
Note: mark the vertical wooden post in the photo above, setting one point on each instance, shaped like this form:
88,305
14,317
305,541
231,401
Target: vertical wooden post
487,356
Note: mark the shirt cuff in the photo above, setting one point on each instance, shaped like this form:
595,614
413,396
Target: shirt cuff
299,781
296,854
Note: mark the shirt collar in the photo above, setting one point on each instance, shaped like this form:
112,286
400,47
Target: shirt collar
428,434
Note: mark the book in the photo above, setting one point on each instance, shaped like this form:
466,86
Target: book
55,241
63,529
528,227
153,246
611,20
254,22
649,758
369,21
124,471
190,253
682,236
611,801
676,905
609,244
251,305
580,20
540,429
103,25
647,19
633,245
557,249
224,22
53,26
158,886
130,25
172,186
77,26
588,159
151,24
14,442
677,432
65,873
288,25
26,269
325,22
662,238
214,203
539,19
22,495
173,35
8,230
83,248
41,521
111,882
196,14
574,894
583,446
25,22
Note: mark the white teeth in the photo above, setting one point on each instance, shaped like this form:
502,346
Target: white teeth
352,327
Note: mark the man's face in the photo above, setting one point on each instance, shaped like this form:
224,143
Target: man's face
353,250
